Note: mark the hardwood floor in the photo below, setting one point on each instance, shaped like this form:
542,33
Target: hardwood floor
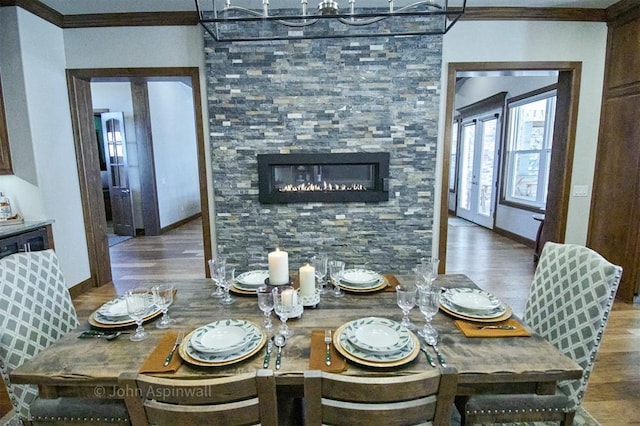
496,263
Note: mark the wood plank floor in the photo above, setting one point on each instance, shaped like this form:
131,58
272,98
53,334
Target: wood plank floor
496,263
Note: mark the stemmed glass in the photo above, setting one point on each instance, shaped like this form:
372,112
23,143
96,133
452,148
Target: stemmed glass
217,266
320,265
429,303
139,302
430,267
406,299
336,267
226,281
163,298
287,304
265,303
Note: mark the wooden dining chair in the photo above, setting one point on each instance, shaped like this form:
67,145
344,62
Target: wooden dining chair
569,304
36,311
338,399
236,400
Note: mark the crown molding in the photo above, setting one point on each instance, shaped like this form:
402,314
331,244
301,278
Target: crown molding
533,14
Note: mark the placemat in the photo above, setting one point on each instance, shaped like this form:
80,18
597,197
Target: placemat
474,329
155,361
318,352
393,282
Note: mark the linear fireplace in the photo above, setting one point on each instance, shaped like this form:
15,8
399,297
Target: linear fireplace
340,177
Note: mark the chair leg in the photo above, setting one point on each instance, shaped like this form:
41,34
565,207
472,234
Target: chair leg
568,419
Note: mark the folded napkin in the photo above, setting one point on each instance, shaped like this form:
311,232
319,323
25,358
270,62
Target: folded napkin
473,329
393,282
155,361
318,352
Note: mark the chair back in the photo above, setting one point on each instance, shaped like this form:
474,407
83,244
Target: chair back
339,399
35,311
569,304
237,400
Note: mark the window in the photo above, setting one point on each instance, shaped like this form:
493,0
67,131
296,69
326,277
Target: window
529,139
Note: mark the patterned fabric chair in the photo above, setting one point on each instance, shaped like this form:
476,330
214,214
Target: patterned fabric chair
36,311
569,304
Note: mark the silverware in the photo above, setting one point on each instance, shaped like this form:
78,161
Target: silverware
267,356
327,342
441,359
279,341
100,334
177,343
428,355
497,327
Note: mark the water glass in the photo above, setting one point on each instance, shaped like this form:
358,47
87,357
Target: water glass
163,298
406,299
265,303
319,262
227,280
336,268
139,302
431,264
429,304
288,304
217,267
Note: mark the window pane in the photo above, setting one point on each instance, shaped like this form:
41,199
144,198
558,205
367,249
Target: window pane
525,177
486,166
454,157
531,125
466,165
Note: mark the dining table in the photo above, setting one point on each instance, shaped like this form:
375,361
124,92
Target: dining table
92,367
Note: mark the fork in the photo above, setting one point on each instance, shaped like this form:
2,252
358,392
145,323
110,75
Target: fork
327,341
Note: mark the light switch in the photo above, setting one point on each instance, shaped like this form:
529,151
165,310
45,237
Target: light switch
580,190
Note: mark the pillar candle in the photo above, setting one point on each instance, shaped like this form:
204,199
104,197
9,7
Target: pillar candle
290,297
307,276
278,267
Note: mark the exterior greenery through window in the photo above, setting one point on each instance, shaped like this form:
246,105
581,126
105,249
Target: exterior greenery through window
529,140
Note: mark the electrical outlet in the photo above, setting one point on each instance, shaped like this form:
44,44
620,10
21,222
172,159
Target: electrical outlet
580,190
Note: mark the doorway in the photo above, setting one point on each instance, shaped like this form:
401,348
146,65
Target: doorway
562,151
79,83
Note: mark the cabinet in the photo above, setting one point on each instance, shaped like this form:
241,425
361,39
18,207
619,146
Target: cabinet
28,240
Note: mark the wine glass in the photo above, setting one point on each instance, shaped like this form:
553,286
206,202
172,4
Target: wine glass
287,303
320,265
227,280
336,267
429,303
406,299
163,298
265,303
216,269
139,302
430,267
423,275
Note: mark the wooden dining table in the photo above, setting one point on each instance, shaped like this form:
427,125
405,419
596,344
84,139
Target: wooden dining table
91,367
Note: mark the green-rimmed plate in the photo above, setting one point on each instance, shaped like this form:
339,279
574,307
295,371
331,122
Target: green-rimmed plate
223,337
377,335
257,339
403,347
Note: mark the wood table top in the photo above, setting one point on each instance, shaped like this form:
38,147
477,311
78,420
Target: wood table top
513,363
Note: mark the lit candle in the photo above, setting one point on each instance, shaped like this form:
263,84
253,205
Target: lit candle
307,276
278,267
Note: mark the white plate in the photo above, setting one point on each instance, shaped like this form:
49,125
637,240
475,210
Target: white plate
255,340
252,279
223,337
377,335
359,276
472,299
480,315
115,312
377,357
350,286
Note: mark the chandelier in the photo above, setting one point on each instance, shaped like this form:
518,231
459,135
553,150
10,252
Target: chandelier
254,20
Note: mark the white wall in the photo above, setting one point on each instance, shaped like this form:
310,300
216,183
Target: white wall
43,108
514,41
174,151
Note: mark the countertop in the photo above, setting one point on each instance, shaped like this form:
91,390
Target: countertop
9,230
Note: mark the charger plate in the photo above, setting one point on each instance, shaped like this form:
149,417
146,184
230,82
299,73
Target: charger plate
383,283
506,315
238,290
338,336
184,353
95,320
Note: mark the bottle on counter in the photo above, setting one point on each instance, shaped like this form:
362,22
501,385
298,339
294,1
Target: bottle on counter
5,207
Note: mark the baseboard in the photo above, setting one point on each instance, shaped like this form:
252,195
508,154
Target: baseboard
519,238
180,223
81,288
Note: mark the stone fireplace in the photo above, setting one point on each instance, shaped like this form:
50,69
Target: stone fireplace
325,98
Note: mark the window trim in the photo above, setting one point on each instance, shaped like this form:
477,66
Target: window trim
5,153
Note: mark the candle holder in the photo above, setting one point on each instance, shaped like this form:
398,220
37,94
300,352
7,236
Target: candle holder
313,300
267,282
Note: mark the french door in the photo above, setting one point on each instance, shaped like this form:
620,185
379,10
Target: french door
480,139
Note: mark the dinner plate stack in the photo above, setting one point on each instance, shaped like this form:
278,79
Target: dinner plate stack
377,342
222,342
361,280
248,282
114,314
474,304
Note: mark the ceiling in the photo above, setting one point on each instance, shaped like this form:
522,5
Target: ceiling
79,7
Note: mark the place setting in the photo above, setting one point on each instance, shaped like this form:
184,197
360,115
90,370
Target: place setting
118,313
474,304
360,280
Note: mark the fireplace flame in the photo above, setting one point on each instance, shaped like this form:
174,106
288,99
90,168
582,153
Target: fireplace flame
325,187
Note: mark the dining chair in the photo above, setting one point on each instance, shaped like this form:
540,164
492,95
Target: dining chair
242,399
569,304
338,399
36,311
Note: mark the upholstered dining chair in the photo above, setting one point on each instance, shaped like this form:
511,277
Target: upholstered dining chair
242,399
569,304
339,399
36,311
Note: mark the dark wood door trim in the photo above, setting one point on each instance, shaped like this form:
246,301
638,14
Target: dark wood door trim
562,153
87,156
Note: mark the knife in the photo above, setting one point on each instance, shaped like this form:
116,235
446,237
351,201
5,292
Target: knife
428,355
267,356
167,360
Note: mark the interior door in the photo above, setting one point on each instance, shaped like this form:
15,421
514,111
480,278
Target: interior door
477,175
116,159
